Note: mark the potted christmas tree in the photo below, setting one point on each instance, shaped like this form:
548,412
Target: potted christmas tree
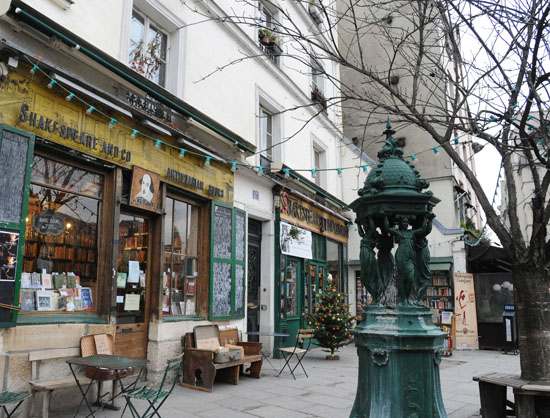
332,322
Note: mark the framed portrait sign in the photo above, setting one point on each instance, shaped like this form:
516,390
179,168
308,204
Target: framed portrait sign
145,190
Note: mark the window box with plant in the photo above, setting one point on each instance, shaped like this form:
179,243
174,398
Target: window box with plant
318,97
270,42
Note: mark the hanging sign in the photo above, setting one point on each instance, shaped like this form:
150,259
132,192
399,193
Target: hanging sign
48,223
295,241
145,189
465,311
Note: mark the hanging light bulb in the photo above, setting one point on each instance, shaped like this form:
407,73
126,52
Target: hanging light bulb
456,140
287,172
182,153
69,97
134,133
207,160
339,170
157,143
51,84
364,167
313,171
260,170
413,157
33,69
435,150
234,166
90,110
112,123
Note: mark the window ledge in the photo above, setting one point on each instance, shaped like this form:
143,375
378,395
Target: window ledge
179,318
60,319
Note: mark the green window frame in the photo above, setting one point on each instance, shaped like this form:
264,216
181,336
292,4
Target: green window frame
227,262
11,288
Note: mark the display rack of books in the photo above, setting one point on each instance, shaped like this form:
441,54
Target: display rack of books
445,320
440,294
55,292
131,270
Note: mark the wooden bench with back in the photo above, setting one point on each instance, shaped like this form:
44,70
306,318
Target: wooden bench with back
37,384
200,370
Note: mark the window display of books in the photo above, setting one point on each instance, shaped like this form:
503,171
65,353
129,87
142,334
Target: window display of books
54,292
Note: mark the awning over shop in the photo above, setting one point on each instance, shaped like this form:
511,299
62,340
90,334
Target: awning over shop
440,266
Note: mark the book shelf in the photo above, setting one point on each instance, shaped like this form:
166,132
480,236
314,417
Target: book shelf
440,294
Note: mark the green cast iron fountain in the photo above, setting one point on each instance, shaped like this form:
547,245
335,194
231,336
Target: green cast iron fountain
398,345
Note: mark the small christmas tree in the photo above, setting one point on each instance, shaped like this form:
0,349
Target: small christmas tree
332,321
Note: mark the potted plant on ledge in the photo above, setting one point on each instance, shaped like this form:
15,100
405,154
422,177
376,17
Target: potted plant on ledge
269,40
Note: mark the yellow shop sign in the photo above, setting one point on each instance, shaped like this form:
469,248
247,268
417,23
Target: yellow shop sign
28,105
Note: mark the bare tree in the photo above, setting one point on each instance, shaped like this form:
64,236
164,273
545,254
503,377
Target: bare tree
478,68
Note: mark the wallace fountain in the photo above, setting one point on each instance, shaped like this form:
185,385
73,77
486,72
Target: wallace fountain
398,345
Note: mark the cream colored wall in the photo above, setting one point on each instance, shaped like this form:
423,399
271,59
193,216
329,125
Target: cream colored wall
96,21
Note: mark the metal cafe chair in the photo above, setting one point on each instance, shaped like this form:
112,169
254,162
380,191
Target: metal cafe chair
155,396
304,338
7,398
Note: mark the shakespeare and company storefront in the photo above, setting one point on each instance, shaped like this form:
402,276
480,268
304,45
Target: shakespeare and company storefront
311,253
107,232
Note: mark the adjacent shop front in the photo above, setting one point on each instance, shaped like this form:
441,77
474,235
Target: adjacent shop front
311,254
106,230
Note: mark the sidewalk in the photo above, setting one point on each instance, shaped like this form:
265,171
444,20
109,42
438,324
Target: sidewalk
329,391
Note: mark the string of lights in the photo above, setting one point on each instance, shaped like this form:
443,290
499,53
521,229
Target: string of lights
234,165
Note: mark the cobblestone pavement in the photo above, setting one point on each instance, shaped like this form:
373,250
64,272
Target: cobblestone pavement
328,392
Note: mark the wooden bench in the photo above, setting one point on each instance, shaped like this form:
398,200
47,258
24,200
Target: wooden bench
492,395
48,386
200,371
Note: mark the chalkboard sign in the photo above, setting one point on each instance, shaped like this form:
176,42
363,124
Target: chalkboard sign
48,223
239,289
223,228
13,168
221,289
239,236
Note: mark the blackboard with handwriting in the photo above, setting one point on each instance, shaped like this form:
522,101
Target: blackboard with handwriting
239,236
239,289
221,289
13,168
223,229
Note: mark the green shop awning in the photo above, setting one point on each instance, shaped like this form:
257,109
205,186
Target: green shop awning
440,266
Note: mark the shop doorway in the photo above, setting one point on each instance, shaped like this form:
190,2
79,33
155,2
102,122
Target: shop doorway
291,299
133,285
253,285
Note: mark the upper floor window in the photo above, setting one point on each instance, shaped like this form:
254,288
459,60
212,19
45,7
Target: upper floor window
148,48
267,34
266,133
319,164
318,84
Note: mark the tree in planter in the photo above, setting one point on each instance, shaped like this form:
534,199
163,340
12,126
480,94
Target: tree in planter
332,323
406,59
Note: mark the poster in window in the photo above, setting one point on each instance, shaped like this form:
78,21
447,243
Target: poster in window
145,189
295,241
9,244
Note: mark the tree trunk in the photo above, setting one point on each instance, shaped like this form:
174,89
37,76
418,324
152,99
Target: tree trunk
531,283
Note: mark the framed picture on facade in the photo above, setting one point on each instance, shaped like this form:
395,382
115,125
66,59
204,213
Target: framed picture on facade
145,190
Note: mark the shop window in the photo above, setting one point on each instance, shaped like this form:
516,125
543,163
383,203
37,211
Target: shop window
318,247
181,258
289,288
60,254
334,264
148,48
227,269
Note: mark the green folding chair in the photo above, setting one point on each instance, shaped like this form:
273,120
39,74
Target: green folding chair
155,397
7,398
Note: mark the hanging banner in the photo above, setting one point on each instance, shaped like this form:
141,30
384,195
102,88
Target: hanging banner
465,311
295,241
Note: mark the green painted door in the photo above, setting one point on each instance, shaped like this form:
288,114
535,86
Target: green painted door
291,299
